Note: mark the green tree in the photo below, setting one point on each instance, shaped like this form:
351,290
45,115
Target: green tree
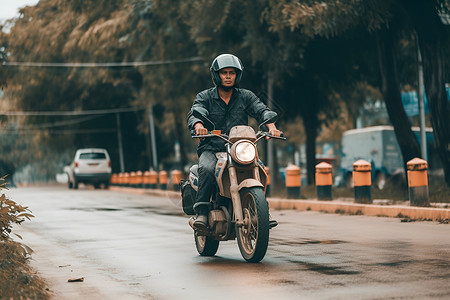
388,19
428,19
58,31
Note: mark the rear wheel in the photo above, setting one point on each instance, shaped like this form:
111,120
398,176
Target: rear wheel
206,246
253,237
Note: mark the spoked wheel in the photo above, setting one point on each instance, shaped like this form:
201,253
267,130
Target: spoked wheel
253,237
206,246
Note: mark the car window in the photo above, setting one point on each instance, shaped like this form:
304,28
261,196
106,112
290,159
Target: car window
95,155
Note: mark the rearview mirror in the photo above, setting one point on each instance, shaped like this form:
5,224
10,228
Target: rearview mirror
202,114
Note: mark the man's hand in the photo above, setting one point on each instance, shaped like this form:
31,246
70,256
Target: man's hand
200,129
273,130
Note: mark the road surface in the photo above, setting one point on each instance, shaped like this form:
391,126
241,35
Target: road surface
129,246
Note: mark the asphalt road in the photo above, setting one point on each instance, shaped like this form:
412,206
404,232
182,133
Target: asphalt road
140,247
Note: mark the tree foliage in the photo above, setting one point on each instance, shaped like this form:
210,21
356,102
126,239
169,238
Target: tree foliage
387,19
323,55
11,213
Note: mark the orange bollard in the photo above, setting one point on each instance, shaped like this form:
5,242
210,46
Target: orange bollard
153,179
132,182
324,181
176,179
138,182
113,179
267,169
126,179
162,176
120,179
362,181
146,180
418,182
293,181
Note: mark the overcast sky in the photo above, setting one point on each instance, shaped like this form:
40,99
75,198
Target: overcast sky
10,8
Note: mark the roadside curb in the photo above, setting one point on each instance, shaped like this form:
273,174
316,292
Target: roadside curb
333,206
400,211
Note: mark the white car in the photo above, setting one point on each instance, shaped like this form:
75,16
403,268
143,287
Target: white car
90,166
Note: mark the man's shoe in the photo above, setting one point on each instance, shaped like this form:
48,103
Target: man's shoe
201,225
272,222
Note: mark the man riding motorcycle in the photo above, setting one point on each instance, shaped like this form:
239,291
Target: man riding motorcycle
228,106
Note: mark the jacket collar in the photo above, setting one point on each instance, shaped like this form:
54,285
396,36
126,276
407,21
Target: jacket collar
215,93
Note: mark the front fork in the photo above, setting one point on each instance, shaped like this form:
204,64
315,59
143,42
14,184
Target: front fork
234,189
235,197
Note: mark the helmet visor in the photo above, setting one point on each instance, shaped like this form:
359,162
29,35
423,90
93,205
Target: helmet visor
226,61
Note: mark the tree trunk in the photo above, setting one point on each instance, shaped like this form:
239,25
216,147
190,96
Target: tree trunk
180,131
311,136
433,36
392,97
310,121
433,66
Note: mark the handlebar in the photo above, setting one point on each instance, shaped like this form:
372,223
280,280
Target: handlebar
225,137
210,134
266,134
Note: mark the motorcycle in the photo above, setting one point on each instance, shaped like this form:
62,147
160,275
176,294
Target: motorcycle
239,206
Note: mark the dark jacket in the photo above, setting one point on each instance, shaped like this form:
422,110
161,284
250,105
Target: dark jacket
243,103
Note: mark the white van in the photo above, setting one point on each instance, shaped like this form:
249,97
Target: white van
378,145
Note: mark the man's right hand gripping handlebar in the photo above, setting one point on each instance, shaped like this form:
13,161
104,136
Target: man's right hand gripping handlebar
200,129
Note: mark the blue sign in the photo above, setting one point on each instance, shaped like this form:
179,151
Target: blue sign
410,102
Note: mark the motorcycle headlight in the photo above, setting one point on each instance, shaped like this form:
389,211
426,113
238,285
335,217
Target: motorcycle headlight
243,152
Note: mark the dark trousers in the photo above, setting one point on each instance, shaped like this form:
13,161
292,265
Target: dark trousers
206,181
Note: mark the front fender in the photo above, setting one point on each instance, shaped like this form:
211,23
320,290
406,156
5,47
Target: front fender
250,182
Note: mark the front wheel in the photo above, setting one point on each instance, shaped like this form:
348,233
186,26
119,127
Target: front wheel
206,246
253,237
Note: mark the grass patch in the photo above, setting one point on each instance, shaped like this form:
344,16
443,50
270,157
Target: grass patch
17,278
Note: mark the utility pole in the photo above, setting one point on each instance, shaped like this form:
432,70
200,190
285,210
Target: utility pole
119,138
421,92
270,149
152,137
